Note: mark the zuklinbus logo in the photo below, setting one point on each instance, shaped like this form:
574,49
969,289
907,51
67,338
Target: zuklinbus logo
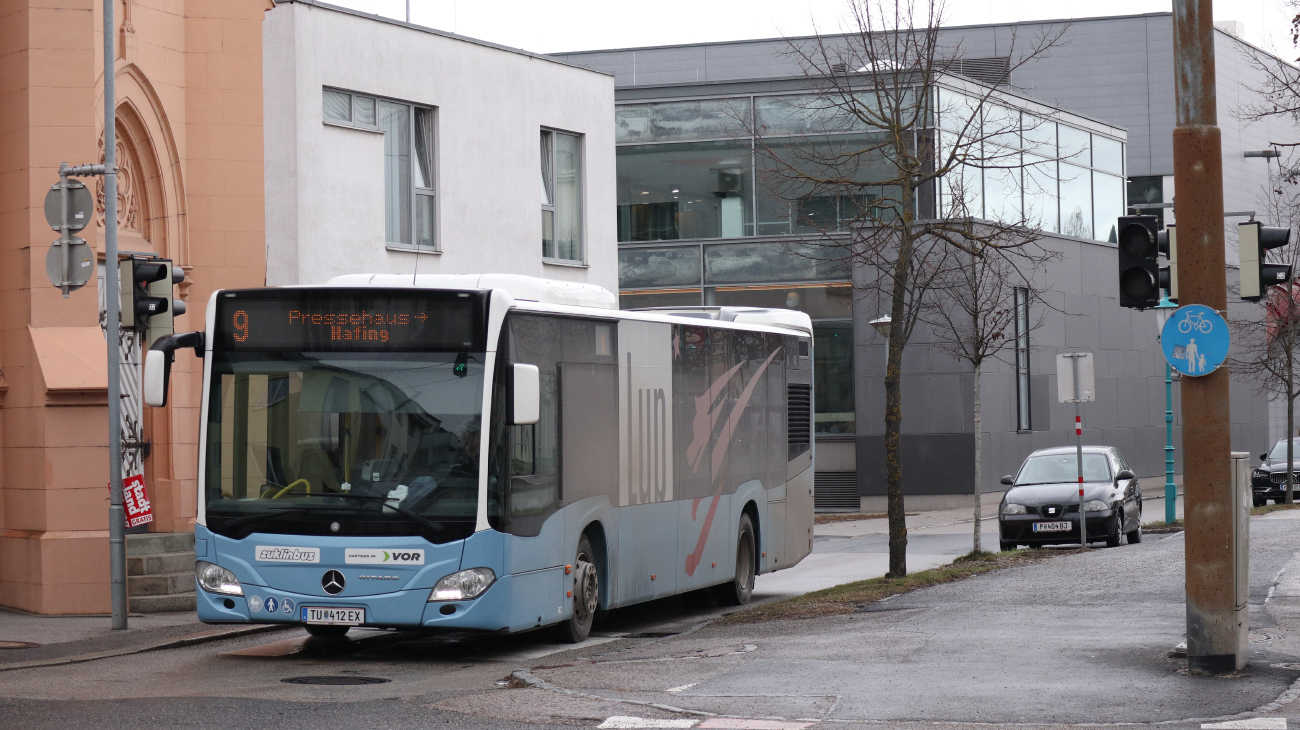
278,554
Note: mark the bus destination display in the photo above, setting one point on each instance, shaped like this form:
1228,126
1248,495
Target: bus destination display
349,319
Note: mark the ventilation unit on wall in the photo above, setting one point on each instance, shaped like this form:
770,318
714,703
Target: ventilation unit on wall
993,71
836,491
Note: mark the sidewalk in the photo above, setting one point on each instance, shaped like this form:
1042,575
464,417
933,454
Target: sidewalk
30,640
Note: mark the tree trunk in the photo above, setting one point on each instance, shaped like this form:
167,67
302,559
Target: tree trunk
894,413
979,547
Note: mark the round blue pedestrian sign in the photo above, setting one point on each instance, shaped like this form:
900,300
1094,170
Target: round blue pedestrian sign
1195,340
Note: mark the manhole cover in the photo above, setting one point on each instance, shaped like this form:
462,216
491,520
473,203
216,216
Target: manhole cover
334,680
17,644
1259,637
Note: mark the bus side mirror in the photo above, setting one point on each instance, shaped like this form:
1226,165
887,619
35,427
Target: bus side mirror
158,364
526,406
1008,480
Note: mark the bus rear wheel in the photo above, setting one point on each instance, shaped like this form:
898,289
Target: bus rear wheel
586,596
738,591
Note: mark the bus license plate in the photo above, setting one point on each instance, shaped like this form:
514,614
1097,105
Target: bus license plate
336,616
1052,526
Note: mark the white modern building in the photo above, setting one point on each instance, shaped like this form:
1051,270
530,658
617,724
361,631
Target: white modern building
397,149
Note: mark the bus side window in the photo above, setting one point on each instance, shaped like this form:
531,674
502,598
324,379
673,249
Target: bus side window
523,458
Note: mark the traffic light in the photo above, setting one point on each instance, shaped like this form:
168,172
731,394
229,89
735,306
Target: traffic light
1255,240
147,302
1167,242
1139,270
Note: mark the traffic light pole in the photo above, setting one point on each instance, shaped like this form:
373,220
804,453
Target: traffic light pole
1212,628
112,330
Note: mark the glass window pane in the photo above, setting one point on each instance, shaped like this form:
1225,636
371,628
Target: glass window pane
568,197
1074,145
1001,126
1039,135
548,180
364,106
644,267
819,301
788,200
1108,200
548,234
1107,154
682,120
1147,191
1040,193
424,220
955,113
395,121
1002,184
753,263
424,148
338,106
694,190
1076,201
812,114
833,377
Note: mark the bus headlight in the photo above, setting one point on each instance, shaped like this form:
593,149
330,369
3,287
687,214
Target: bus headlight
463,585
216,579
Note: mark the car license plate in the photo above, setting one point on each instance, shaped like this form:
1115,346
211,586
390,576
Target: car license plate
1052,526
336,616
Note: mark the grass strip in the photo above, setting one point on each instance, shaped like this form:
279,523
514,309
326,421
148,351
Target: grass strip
850,597
1160,528
1271,508
826,518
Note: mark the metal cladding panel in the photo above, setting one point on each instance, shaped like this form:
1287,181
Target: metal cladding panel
303,578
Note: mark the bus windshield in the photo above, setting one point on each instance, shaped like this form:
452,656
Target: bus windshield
349,443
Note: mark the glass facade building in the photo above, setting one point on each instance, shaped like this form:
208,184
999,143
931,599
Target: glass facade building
703,219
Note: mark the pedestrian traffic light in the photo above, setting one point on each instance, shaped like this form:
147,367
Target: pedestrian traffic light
1254,241
1167,242
147,302
1139,271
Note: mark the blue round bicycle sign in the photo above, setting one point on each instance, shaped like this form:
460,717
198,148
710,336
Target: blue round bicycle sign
1195,340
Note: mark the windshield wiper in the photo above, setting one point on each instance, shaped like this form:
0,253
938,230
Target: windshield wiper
436,526
266,515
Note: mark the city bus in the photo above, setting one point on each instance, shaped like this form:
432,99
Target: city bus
495,452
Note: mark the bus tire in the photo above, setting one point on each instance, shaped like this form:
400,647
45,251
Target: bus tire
586,596
323,631
738,591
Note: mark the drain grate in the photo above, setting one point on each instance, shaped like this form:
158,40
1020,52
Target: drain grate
334,680
4,644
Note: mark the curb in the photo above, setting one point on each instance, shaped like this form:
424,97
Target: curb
191,640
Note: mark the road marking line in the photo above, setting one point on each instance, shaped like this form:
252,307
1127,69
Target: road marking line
732,723
1254,723
638,723
681,688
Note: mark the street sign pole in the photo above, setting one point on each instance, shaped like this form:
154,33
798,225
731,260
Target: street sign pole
1075,384
112,329
1212,622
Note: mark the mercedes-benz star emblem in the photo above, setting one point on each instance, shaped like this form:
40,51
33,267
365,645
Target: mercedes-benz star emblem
333,582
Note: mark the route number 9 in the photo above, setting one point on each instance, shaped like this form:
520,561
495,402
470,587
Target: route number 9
241,325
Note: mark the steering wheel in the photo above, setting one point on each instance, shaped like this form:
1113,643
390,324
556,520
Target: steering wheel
283,490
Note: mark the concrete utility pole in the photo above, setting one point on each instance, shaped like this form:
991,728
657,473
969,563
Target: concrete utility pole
112,329
1213,645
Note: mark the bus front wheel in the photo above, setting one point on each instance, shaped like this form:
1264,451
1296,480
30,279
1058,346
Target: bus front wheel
586,596
738,591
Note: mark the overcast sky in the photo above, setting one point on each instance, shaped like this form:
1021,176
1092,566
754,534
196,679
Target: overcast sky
578,25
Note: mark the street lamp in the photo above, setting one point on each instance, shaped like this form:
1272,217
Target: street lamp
882,325
1163,310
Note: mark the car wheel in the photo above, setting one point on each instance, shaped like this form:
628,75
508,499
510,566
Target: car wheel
738,591
323,632
1135,536
1260,501
1005,546
1112,537
586,596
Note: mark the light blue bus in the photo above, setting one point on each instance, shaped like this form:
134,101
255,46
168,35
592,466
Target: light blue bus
495,453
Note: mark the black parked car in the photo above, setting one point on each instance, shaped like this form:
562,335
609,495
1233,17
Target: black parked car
1041,507
1269,478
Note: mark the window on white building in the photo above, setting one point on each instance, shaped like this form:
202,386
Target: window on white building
409,173
1023,421
561,157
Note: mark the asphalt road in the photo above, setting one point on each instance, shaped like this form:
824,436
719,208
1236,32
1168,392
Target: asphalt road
1077,639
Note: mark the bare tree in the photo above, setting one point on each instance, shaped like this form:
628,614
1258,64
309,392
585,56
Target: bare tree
869,188
973,316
